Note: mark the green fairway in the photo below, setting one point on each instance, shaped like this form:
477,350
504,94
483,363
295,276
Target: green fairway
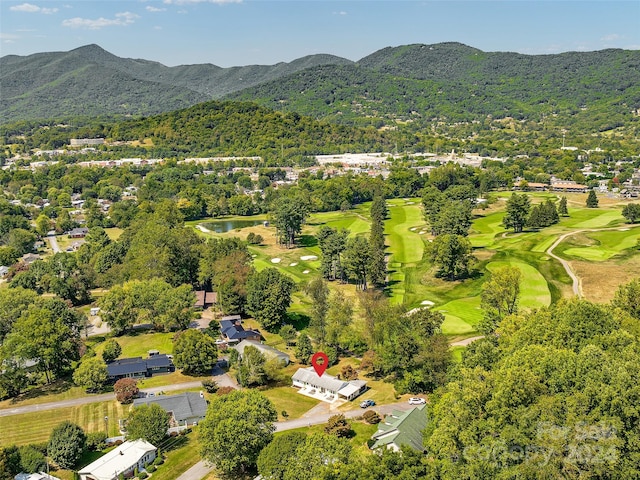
598,218
485,230
461,315
534,291
405,245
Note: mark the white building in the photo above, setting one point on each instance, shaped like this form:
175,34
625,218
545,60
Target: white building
121,460
267,350
326,387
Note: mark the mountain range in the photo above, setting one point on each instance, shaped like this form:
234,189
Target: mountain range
408,83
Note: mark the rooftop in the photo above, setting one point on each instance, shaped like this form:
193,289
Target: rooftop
118,460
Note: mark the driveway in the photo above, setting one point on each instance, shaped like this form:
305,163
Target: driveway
53,241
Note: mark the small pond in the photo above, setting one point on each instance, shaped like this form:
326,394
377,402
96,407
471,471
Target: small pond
223,226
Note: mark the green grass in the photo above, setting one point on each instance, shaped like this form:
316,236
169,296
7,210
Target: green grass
361,433
288,399
36,427
534,291
608,244
405,245
138,345
181,454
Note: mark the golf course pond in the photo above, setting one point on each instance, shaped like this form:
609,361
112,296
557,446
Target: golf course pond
223,226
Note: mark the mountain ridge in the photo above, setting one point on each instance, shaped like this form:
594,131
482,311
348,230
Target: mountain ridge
90,81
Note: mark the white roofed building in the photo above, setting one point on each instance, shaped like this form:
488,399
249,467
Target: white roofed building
326,387
123,459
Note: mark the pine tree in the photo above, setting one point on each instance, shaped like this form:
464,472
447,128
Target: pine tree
592,200
562,207
378,267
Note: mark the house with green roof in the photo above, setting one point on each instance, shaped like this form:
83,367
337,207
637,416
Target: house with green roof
401,428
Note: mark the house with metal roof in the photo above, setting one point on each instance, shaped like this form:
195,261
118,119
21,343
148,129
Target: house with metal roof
139,367
401,428
123,459
232,330
183,409
326,387
267,350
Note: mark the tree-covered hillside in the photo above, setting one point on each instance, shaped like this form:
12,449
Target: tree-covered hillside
91,81
241,128
453,82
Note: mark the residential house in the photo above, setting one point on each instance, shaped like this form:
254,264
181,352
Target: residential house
183,409
29,258
205,299
79,232
124,459
35,476
326,387
139,367
3,271
232,330
267,350
401,428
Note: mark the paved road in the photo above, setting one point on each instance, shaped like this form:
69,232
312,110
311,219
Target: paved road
105,397
465,342
202,468
53,241
574,278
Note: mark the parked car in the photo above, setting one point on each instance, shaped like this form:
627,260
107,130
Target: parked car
367,403
417,401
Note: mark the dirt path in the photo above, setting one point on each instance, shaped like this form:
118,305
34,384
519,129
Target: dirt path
465,342
577,290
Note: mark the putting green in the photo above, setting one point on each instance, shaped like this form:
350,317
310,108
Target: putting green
461,315
611,243
534,291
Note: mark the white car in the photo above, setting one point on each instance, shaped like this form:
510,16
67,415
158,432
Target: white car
417,401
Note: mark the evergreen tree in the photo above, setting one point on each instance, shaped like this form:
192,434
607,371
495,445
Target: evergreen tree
562,207
518,207
592,199
378,267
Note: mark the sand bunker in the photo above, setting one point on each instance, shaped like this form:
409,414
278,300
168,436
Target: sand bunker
422,232
276,260
306,271
293,264
308,257
202,229
413,229
428,303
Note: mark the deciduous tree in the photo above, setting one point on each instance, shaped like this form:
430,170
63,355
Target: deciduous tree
148,422
194,352
269,296
236,428
91,374
66,444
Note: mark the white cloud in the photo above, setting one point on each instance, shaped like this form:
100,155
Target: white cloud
121,20
8,37
151,9
187,2
30,8
340,13
612,37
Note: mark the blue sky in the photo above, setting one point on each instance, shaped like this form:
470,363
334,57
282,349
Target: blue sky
244,32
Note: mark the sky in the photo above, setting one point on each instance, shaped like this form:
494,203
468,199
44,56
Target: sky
265,32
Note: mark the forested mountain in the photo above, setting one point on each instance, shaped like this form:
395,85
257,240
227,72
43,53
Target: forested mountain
91,81
453,82
413,83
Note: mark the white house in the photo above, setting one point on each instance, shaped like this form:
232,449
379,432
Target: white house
121,460
326,387
35,476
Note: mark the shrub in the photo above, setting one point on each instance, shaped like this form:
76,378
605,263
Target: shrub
159,460
96,441
225,390
126,389
337,425
371,417
151,468
210,385
347,372
142,475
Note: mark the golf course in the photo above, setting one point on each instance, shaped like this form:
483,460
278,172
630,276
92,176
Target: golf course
589,240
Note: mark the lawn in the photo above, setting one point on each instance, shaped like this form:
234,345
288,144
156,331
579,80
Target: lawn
607,244
36,427
534,291
289,400
139,344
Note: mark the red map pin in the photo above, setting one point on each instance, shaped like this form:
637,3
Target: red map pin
320,362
